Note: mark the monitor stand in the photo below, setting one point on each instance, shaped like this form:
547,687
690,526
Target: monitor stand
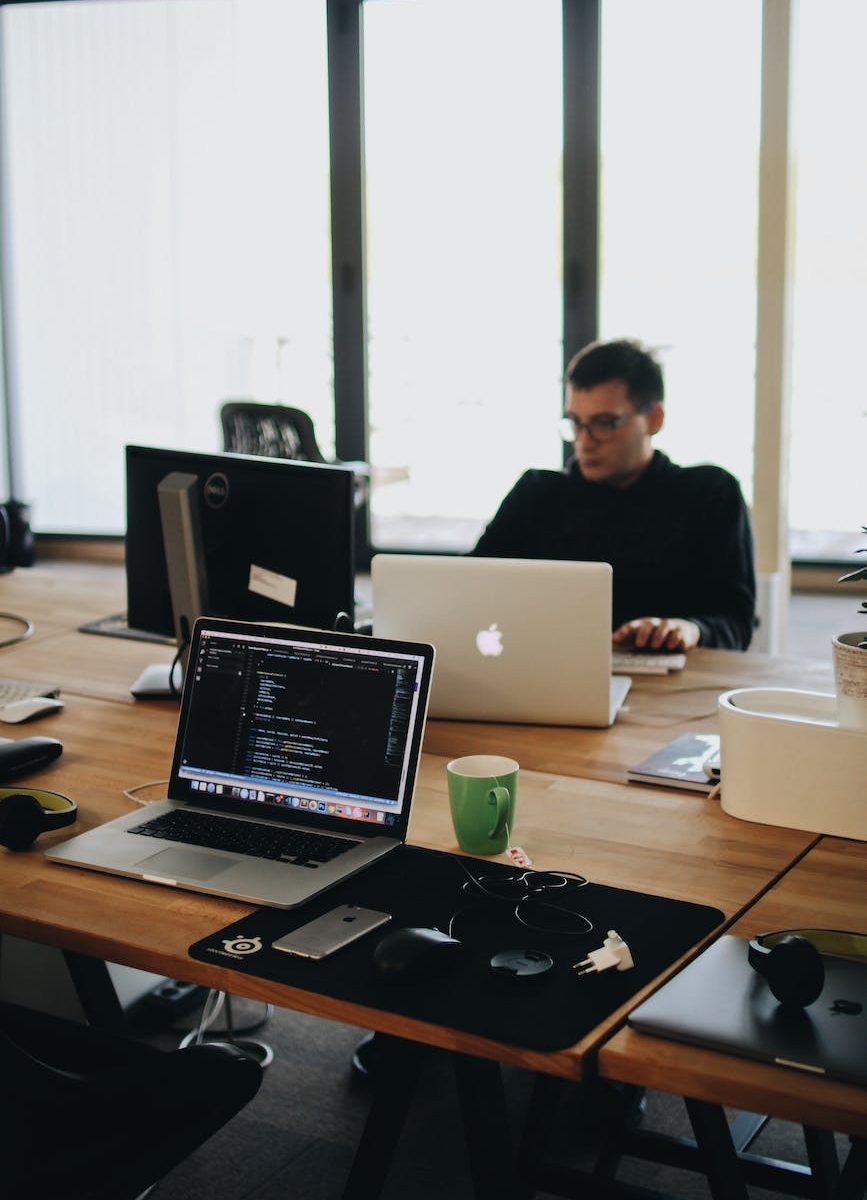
185,566
153,683
116,625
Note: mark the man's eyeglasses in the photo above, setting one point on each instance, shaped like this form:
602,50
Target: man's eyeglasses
600,427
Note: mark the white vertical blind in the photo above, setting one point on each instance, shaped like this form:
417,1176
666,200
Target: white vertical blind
827,489
168,207
463,147
679,145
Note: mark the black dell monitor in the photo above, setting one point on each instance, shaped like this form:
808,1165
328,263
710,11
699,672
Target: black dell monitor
276,537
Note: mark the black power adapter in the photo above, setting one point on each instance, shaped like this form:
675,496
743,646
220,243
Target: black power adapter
174,997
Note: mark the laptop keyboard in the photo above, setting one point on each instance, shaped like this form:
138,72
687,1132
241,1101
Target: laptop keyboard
295,846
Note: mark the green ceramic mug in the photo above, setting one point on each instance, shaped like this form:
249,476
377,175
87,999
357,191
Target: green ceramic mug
483,789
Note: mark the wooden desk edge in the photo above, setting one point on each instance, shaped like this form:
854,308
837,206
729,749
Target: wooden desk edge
566,1063
573,1062
684,1070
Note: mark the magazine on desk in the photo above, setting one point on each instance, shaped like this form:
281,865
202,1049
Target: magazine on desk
680,763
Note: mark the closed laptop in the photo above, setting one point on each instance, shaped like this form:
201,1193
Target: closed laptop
720,1002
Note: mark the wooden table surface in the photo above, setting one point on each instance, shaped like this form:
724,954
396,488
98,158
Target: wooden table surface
677,844
575,810
59,596
658,709
826,889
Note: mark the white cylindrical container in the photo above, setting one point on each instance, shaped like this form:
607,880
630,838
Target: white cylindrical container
785,760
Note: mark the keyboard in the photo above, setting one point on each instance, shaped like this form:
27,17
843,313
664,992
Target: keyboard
296,846
645,662
20,689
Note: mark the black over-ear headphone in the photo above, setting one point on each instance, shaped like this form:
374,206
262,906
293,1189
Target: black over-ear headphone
791,960
16,536
24,814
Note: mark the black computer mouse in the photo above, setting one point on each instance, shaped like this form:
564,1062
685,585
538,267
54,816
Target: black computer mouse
415,953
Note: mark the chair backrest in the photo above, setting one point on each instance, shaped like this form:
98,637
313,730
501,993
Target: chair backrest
72,1089
269,430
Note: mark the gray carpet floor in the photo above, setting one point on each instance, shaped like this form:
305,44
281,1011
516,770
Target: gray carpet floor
296,1140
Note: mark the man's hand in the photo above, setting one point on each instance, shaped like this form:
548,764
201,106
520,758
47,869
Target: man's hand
657,633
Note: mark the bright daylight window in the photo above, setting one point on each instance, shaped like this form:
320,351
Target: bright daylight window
829,400
463,150
679,204
168,206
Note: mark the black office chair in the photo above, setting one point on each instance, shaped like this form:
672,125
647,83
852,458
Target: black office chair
92,1116
278,431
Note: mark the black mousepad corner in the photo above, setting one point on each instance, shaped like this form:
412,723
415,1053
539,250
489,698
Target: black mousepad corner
420,887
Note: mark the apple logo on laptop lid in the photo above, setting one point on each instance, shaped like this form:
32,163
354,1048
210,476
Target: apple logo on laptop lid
489,642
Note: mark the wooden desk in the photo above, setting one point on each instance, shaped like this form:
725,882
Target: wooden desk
649,839
645,838
658,709
86,664
828,888
60,596
575,811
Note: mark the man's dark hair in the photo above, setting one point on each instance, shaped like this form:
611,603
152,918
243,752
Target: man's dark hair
600,362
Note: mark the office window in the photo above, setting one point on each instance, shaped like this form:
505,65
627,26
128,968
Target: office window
829,401
169,244
463,145
680,104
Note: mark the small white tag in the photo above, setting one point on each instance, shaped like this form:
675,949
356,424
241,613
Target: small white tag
275,587
519,857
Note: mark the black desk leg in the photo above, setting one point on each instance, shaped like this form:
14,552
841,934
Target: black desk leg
822,1157
486,1126
538,1122
852,1184
397,1070
719,1156
95,990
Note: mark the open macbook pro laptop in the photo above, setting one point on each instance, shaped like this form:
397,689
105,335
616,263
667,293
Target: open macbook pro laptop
524,640
294,766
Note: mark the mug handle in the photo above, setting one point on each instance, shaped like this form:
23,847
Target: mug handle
499,798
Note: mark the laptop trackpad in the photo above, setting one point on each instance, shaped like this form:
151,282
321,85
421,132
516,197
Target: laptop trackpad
185,864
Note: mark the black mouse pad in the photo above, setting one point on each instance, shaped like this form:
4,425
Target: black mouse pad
428,888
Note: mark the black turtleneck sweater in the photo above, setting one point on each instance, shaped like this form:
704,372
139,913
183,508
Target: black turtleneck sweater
679,541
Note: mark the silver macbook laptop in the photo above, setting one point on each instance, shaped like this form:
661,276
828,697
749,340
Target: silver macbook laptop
294,766
524,640
720,1002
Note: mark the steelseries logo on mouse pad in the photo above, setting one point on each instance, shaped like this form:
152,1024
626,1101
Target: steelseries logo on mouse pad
216,490
237,947
243,945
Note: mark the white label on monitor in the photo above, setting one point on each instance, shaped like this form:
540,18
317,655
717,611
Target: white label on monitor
276,587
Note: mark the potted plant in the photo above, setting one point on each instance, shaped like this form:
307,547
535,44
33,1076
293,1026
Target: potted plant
850,664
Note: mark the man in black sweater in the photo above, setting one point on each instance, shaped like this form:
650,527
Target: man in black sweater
678,538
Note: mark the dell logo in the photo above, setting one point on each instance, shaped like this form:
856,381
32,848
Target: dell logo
216,490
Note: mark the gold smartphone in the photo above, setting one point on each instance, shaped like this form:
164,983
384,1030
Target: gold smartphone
331,931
